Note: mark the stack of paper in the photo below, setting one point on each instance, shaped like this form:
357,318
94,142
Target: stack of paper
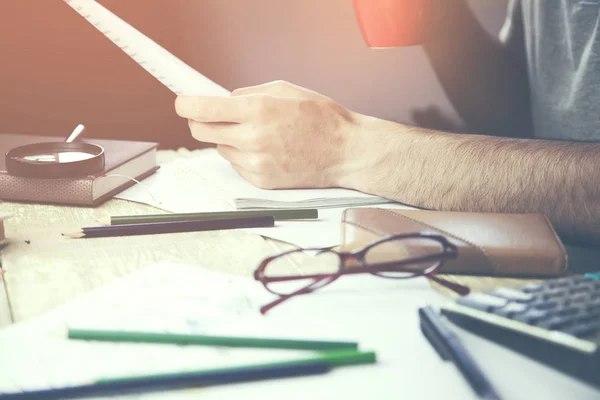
210,183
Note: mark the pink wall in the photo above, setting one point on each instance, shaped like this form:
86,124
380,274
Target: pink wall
56,70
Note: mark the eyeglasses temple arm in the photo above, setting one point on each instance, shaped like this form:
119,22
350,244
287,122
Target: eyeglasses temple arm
458,288
281,299
264,309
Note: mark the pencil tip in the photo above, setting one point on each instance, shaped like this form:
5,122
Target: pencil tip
75,234
106,221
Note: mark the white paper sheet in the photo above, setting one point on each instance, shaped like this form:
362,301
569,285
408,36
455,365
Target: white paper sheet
178,298
380,314
177,76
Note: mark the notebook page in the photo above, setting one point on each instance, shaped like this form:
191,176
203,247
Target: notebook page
176,75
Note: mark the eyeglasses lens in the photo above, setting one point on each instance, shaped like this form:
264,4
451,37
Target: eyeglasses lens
419,256
315,265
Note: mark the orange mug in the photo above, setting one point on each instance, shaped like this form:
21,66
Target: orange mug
396,23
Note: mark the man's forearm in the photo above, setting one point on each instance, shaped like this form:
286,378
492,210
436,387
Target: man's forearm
483,173
486,84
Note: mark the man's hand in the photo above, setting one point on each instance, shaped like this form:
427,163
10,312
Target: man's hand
276,135
282,136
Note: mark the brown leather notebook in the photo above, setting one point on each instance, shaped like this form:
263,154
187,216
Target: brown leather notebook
122,159
488,243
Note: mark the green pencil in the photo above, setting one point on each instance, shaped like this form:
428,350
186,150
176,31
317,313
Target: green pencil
332,358
277,214
204,340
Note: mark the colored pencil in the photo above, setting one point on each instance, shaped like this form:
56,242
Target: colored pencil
332,359
205,340
443,339
171,227
173,381
204,216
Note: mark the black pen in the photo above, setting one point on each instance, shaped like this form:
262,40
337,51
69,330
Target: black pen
449,347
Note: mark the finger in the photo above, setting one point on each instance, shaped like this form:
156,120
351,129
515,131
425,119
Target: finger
279,89
216,109
221,133
231,154
261,181
249,161
252,177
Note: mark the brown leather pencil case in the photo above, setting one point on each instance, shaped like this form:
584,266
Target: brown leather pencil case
488,243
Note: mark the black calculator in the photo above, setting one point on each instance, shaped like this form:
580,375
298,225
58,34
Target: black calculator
556,321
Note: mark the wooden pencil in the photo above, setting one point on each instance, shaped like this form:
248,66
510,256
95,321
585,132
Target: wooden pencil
161,383
204,216
208,340
334,359
171,227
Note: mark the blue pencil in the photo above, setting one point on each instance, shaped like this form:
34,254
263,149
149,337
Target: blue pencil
176,381
450,348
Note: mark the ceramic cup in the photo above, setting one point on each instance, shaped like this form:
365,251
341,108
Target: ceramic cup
396,23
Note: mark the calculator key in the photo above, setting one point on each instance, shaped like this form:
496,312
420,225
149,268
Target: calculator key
482,301
579,289
553,294
532,287
582,285
544,305
578,278
585,287
565,311
595,284
532,316
590,316
565,281
559,283
592,305
512,294
556,322
511,310
582,330
593,275
581,298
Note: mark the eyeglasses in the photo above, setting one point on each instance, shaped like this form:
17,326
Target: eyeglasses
303,271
